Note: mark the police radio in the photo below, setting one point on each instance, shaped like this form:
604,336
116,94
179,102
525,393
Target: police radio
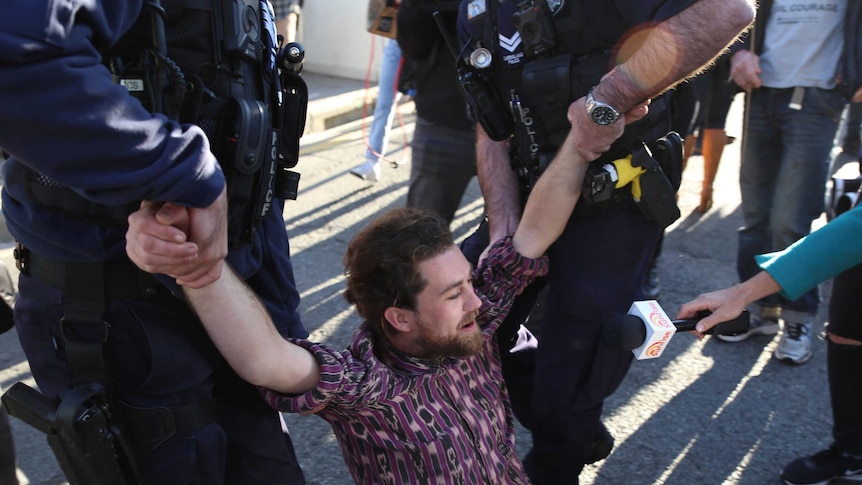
483,100
293,109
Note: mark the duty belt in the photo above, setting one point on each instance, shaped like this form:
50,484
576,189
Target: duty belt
122,279
621,196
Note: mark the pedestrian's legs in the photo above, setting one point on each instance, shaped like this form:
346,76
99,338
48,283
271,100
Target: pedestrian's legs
444,161
782,181
384,112
801,179
714,137
761,159
713,141
845,361
387,92
843,459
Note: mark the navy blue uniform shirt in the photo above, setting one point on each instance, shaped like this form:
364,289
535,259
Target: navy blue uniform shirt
63,116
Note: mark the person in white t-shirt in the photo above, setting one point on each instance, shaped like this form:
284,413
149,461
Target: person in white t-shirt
791,68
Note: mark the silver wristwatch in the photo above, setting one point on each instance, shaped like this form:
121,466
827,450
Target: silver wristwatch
601,113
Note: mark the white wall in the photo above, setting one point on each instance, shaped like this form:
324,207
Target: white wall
335,40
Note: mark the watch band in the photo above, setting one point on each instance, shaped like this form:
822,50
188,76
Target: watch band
601,113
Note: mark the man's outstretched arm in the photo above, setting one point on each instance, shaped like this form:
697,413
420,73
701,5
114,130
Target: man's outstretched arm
235,319
553,199
244,333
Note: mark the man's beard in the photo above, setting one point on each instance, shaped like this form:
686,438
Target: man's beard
458,345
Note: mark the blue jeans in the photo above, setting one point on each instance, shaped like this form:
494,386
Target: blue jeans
852,141
782,178
384,108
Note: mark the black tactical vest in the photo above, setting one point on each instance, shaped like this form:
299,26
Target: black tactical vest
571,57
211,63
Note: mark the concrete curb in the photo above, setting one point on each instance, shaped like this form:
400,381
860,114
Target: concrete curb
331,111
335,101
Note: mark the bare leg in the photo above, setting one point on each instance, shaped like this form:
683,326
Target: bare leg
688,148
714,141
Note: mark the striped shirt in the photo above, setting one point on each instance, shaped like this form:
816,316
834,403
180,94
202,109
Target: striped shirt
404,420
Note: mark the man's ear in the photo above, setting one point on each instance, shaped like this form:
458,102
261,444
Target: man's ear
399,318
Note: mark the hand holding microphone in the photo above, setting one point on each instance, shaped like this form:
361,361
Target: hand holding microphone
647,329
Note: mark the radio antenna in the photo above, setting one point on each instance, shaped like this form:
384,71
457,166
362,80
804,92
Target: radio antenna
438,17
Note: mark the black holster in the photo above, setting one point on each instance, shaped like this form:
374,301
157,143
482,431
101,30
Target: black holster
82,430
661,180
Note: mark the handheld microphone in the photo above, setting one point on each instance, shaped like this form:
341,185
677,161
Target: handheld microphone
647,329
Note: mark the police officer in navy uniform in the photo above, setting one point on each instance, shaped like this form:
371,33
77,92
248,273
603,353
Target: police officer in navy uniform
84,150
557,65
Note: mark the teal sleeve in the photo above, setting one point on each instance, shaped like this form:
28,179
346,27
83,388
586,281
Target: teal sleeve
817,257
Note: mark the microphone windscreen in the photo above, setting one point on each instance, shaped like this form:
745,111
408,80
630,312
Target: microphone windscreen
625,332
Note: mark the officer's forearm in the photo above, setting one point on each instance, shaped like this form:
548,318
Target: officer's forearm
674,50
498,183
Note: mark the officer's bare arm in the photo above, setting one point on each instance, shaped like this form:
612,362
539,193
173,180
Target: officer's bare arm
672,51
243,332
675,49
499,185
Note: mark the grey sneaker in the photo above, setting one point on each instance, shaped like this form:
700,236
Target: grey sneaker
651,286
763,322
795,344
370,171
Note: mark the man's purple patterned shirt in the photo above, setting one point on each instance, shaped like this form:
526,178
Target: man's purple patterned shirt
405,420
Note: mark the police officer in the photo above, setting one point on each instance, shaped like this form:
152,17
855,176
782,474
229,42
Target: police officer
568,64
86,145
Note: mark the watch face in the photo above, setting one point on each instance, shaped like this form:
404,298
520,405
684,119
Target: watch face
555,5
603,115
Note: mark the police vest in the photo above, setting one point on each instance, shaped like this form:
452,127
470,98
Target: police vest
214,64
545,55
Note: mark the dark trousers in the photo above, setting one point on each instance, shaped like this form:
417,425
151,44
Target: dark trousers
161,357
8,463
595,271
844,362
443,162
